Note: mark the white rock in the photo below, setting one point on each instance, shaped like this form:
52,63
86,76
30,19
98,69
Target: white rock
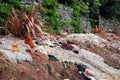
18,56
94,62
87,37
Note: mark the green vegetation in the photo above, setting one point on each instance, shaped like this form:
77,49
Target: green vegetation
5,9
94,12
51,15
4,12
110,9
79,7
50,9
93,8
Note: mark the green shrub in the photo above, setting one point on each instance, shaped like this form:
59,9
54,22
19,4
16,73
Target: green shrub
4,12
15,3
79,7
94,12
50,10
52,16
5,9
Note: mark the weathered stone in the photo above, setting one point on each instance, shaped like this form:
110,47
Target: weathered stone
110,25
50,69
65,12
86,24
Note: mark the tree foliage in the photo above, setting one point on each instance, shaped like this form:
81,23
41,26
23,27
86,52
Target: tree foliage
94,12
51,15
110,9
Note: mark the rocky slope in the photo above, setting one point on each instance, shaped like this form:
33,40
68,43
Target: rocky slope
61,59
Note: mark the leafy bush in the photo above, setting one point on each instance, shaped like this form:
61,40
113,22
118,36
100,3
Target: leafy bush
14,3
5,9
4,12
50,10
94,12
79,7
51,14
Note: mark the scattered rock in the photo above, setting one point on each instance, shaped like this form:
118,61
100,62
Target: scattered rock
51,70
